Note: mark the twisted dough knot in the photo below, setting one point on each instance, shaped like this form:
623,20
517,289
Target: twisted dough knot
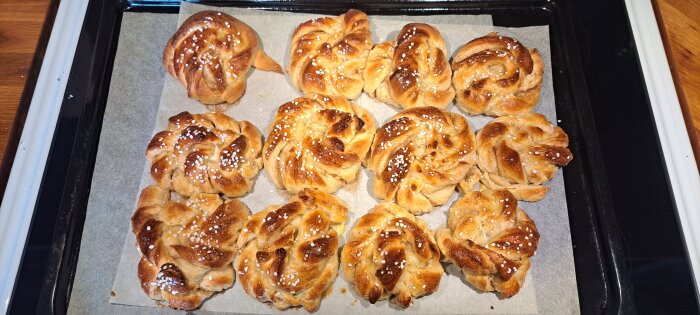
211,54
496,75
288,255
411,71
520,153
317,141
187,247
420,155
390,252
206,153
329,54
491,239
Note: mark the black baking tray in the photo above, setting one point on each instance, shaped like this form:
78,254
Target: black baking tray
623,223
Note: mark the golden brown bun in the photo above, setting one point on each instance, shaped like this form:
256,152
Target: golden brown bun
187,247
288,255
206,153
211,54
328,55
420,155
491,239
496,75
520,153
391,253
411,71
317,141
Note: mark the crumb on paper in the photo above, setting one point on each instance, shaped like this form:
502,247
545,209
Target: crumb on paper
113,294
343,290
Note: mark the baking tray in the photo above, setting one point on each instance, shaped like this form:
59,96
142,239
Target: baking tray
601,260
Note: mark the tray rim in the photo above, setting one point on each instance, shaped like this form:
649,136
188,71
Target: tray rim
614,295
283,3
593,202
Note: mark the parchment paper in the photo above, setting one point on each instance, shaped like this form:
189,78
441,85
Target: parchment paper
550,286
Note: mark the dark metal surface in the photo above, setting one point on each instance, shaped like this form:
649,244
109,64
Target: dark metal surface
48,266
659,270
600,99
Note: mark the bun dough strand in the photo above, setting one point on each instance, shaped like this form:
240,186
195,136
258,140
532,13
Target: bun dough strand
411,71
206,153
317,141
420,155
288,255
491,239
520,153
496,75
328,55
211,53
391,253
187,247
